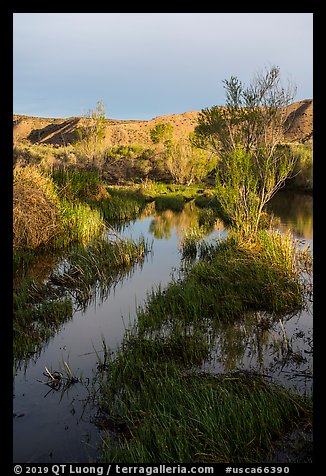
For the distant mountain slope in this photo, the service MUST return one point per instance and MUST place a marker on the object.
(63, 131)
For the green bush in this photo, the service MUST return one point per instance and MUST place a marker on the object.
(44, 216)
(79, 184)
(303, 170)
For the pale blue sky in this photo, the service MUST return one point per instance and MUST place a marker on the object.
(142, 65)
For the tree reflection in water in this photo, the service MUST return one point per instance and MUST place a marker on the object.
(273, 346)
(190, 219)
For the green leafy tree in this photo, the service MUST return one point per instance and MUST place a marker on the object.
(182, 159)
(245, 135)
(91, 134)
(162, 133)
(187, 163)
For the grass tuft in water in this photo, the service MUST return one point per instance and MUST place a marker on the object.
(173, 202)
(154, 402)
(156, 412)
(122, 206)
(230, 280)
(40, 307)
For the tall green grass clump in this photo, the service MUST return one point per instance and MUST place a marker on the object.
(174, 202)
(83, 185)
(123, 205)
(91, 271)
(79, 224)
(303, 170)
(82, 193)
(156, 411)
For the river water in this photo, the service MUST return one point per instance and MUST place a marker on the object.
(52, 426)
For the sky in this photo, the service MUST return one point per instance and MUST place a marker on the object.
(144, 65)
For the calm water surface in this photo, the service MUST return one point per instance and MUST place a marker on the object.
(56, 427)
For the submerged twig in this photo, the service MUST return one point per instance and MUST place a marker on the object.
(57, 381)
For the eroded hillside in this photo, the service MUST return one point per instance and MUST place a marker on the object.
(63, 131)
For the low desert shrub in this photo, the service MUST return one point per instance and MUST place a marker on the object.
(36, 214)
(44, 216)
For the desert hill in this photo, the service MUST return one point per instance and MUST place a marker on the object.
(63, 131)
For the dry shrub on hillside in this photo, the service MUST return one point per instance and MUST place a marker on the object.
(36, 208)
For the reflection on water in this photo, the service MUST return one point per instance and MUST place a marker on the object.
(295, 212)
(279, 348)
(58, 428)
(187, 221)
